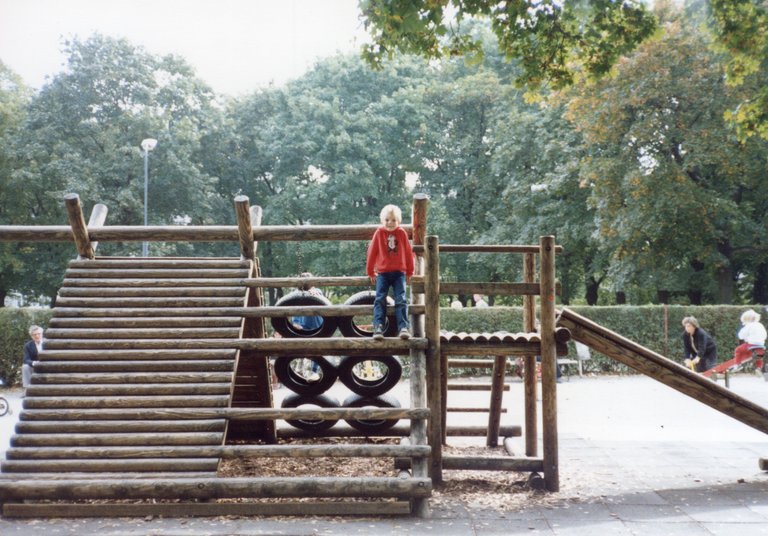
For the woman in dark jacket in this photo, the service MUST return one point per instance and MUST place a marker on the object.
(700, 349)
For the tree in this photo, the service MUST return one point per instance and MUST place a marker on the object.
(82, 134)
(740, 28)
(554, 42)
(14, 96)
(675, 195)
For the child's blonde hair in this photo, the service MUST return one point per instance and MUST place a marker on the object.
(391, 209)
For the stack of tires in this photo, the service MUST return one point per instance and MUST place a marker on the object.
(310, 376)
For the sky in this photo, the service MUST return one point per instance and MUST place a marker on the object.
(236, 46)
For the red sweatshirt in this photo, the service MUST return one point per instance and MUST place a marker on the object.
(389, 252)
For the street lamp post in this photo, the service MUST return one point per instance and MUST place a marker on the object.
(148, 145)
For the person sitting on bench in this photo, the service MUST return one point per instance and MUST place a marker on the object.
(752, 333)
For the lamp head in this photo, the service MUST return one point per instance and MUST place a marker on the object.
(148, 144)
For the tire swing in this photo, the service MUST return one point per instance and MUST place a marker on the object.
(294, 374)
(349, 328)
(321, 401)
(284, 325)
(371, 426)
(370, 376)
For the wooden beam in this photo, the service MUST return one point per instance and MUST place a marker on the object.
(549, 365)
(530, 381)
(79, 229)
(197, 509)
(244, 228)
(213, 488)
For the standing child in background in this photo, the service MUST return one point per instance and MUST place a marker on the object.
(390, 264)
(752, 333)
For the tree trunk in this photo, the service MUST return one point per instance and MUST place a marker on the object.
(593, 285)
(662, 296)
(724, 285)
(694, 295)
(3, 294)
(760, 288)
(621, 297)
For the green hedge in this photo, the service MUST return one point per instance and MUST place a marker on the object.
(645, 325)
(14, 332)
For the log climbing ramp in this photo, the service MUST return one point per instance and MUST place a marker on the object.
(157, 370)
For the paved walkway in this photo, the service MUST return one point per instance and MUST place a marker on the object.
(636, 457)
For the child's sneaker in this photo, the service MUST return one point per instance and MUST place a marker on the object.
(378, 334)
(405, 334)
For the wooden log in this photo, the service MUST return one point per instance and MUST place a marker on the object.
(219, 451)
(150, 292)
(130, 401)
(146, 389)
(664, 370)
(477, 363)
(133, 378)
(530, 381)
(492, 463)
(117, 426)
(66, 301)
(470, 386)
(17, 477)
(436, 398)
(193, 263)
(197, 509)
(146, 282)
(157, 273)
(97, 219)
(156, 322)
(472, 410)
(214, 488)
(419, 427)
(549, 365)
(763, 464)
(116, 439)
(189, 233)
(319, 346)
(502, 348)
(491, 248)
(141, 333)
(244, 227)
(133, 355)
(145, 465)
(239, 414)
(341, 430)
(173, 366)
(497, 393)
(79, 229)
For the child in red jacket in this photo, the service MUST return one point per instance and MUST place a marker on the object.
(390, 264)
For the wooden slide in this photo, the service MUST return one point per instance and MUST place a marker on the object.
(664, 370)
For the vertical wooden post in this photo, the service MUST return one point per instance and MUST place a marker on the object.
(256, 215)
(418, 436)
(497, 393)
(530, 383)
(244, 229)
(97, 219)
(434, 369)
(79, 230)
(549, 365)
(419, 222)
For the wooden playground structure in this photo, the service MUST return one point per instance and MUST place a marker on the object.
(155, 370)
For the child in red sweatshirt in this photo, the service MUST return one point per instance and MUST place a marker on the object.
(390, 264)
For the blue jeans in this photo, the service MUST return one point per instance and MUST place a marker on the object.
(396, 280)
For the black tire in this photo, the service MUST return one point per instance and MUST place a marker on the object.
(349, 328)
(286, 371)
(348, 374)
(286, 328)
(323, 401)
(370, 426)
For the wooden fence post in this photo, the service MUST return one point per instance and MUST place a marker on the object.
(549, 365)
(530, 382)
(79, 229)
